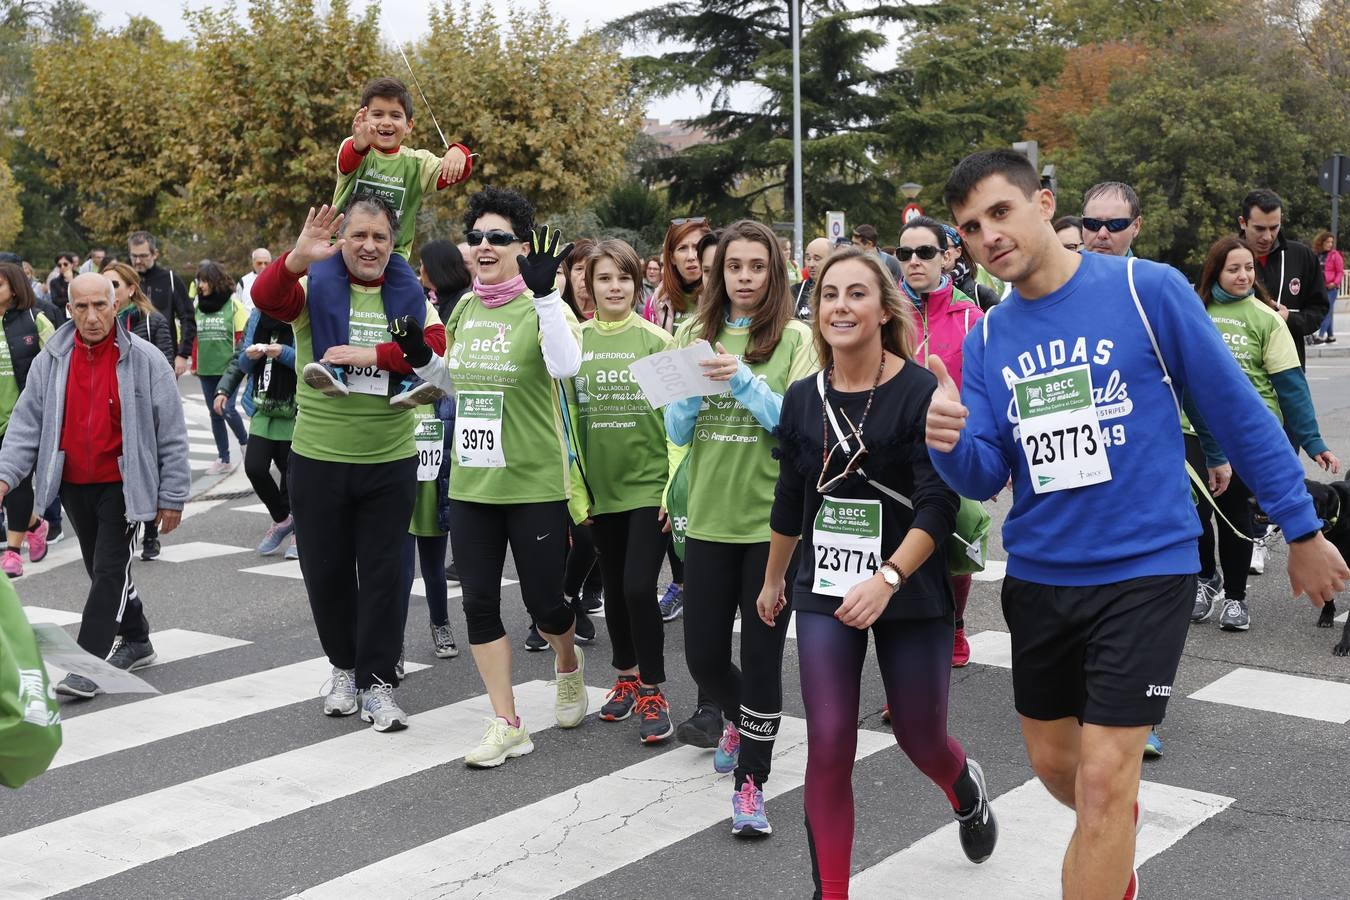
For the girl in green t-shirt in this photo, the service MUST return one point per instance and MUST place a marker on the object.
(1254, 330)
(219, 326)
(746, 313)
(630, 463)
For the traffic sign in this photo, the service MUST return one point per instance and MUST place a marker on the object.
(1334, 178)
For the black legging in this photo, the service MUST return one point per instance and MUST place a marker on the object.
(259, 454)
(631, 544)
(676, 564)
(537, 535)
(19, 502)
(580, 571)
(1235, 553)
(1195, 455)
(721, 578)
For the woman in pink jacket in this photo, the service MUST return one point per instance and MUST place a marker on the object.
(942, 318)
(1333, 270)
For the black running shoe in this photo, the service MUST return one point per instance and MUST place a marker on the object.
(979, 828)
(533, 641)
(592, 600)
(131, 655)
(150, 548)
(78, 686)
(702, 729)
(653, 714)
(451, 573)
(585, 633)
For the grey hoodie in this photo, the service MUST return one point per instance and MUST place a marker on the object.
(154, 461)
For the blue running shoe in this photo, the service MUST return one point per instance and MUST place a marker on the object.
(748, 818)
(1153, 746)
(728, 751)
(329, 380)
(276, 535)
(672, 602)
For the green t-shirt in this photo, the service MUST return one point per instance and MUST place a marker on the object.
(358, 428)
(401, 178)
(509, 440)
(424, 519)
(1259, 341)
(273, 428)
(9, 385)
(215, 337)
(732, 471)
(623, 438)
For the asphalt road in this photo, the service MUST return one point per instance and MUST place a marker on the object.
(255, 800)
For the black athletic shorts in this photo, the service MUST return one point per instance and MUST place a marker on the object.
(1105, 654)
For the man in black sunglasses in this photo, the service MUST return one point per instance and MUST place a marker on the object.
(1111, 218)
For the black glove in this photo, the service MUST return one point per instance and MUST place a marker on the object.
(408, 335)
(540, 268)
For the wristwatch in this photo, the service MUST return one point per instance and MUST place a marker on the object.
(891, 574)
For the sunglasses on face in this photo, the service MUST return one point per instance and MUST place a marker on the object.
(927, 251)
(692, 220)
(494, 237)
(1115, 226)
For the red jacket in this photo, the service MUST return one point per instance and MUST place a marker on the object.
(91, 433)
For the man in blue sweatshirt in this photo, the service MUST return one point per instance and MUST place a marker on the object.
(1064, 390)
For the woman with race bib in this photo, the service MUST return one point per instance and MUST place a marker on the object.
(509, 342)
(630, 460)
(944, 316)
(746, 314)
(856, 486)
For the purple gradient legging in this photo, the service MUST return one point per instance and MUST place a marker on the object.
(915, 659)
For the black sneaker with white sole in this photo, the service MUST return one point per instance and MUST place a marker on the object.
(978, 828)
(131, 655)
(150, 548)
(78, 686)
(534, 642)
(585, 633)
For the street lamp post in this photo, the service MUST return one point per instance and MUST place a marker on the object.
(796, 128)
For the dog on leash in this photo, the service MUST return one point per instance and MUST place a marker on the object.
(1331, 501)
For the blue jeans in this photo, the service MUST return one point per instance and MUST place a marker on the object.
(1328, 328)
(209, 385)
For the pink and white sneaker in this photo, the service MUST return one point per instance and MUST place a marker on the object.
(37, 542)
(12, 563)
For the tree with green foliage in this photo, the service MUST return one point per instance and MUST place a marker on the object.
(11, 213)
(747, 168)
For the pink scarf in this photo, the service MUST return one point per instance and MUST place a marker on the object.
(495, 295)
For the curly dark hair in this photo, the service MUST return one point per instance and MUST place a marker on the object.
(504, 202)
(212, 273)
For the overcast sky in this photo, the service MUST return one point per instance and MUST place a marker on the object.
(397, 23)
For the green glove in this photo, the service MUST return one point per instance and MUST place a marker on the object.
(407, 334)
(540, 268)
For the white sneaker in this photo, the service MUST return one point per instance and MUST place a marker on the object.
(339, 694)
(1258, 566)
(220, 467)
(500, 743)
(570, 707)
(380, 710)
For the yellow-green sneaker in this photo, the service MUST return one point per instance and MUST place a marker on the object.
(570, 707)
(500, 743)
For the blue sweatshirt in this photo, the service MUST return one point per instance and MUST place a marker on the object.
(1141, 522)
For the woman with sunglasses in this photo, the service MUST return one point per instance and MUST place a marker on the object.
(873, 517)
(943, 317)
(135, 311)
(1264, 349)
(676, 297)
(746, 314)
(964, 272)
(26, 332)
(508, 343)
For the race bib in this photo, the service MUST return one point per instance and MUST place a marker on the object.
(367, 379)
(1059, 431)
(429, 437)
(847, 544)
(264, 378)
(478, 429)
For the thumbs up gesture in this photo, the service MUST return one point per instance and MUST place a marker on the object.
(946, 414)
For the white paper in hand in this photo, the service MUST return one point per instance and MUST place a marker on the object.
(676, 374)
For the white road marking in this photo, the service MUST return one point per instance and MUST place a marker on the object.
(1292, 695)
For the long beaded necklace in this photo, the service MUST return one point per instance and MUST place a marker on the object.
(862, 422)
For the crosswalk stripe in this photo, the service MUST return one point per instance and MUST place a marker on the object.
(1292, 695)
(994, 570)
(588, 831)
(991, 648)
(1343, 617)
(55, 616)
(118, 728)
(254, 508)
(195, 550)
(735, 625)
(1034, 830)
(419, 588)
(90, 846)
